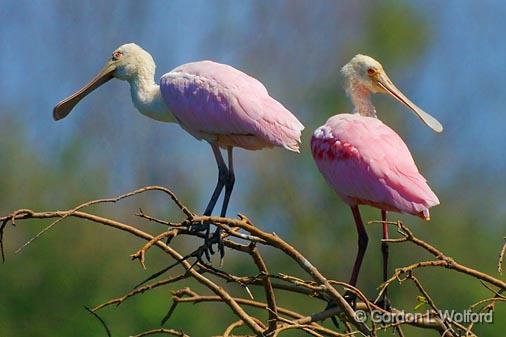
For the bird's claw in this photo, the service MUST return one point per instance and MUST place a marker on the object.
(207, 249)
(199, 227)
(218, 240)
(220, 243)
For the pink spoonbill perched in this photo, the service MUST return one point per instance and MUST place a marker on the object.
(365, 161)
(211, 101)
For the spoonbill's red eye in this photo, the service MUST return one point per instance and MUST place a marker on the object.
(371, 71)
(116, 55)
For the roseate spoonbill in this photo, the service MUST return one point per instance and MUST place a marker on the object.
(365, 161)
(211, 101)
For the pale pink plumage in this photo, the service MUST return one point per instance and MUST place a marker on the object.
(366, 162)
(223, 105)
(227, 108)
(212, 101)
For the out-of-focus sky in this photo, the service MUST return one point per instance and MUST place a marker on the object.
(454, 71)
(50, 48)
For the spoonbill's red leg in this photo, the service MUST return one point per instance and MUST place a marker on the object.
(384, 245)
(384, 302)
(362, 245)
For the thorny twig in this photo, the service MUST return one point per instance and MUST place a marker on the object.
(442, 259)
(501, 257)
(269, 290)
(430, 301)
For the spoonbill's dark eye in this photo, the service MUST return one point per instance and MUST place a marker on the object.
(371, 71)
(116, 55)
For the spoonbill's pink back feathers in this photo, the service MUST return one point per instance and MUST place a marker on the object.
(211, 101)
(366, 162)
(221, 104)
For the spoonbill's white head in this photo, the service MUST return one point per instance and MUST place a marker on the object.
(363, 73)
(361, 70)
(128, 62)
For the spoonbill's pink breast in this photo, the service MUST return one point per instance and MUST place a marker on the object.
(366, 162)
(219, 103)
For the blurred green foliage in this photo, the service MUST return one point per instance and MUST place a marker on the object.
(44, 288)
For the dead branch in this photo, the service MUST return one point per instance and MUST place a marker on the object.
(269, 290)
(443, 260)
(171, 332)
(316, 288)
(501, 257)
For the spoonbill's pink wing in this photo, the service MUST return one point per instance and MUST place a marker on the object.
(219, 103)
(366, 162)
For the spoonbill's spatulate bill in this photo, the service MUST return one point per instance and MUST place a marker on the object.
(211, 101)
(365, 161)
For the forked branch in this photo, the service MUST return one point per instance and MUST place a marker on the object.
(241, 236)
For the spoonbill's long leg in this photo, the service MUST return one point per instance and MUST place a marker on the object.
(222, 179)
(362, 245)
(385, 303)
(229, 184)
(384, 245)
(226, 180)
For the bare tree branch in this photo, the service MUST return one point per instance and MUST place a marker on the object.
(501, 257)
(316, 287)
(171, 332)
(443, 260)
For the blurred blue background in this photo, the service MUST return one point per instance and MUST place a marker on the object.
(448, 57)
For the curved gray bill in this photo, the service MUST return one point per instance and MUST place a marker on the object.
(64, 107)
(387, 85)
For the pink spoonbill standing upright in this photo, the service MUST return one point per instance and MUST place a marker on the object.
(365, 161)
(211, 101)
